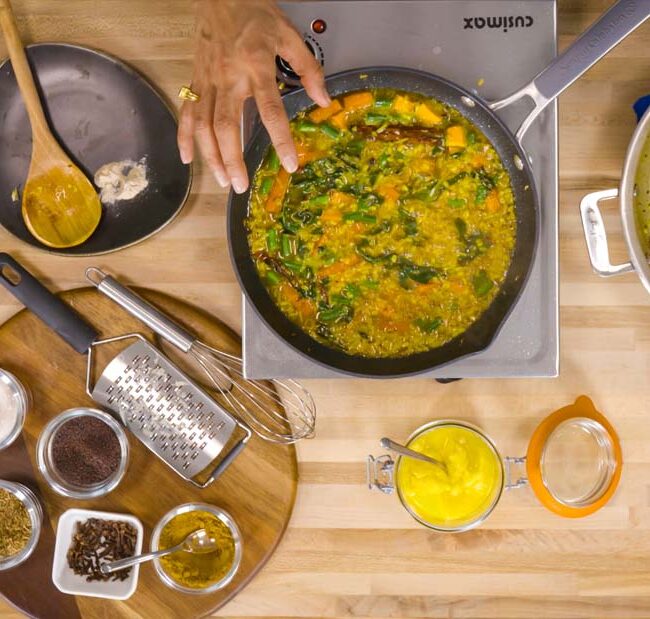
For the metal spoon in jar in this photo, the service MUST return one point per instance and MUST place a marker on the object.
(387, 443)
(197, 542)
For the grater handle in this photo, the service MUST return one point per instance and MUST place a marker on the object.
(141, 309)
(225, 463)
(46, 305)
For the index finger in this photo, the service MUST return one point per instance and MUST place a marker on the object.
(294, 50)
(274, 117)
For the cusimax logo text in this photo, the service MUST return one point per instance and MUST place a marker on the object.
(504, 23)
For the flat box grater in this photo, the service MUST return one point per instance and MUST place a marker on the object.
(165, 409)
(162, 406)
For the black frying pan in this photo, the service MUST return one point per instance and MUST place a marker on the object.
(101, 111)
(609, 30)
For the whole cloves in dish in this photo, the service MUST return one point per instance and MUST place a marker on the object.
(98, 541)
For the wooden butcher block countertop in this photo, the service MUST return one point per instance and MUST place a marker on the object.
(349, 552)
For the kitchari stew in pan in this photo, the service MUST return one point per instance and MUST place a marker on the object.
(396, 231)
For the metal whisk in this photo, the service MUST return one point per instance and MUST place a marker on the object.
(277, 411)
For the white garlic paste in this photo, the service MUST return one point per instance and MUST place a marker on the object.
(121, 180)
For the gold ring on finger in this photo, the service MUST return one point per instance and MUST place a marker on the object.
(187, 94)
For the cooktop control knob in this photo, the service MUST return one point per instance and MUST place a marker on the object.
(285, 71)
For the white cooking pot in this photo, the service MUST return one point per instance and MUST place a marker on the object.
(592, 220)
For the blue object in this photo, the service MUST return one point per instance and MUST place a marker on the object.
(640, 106)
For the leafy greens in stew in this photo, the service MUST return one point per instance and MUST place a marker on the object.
(396, 231)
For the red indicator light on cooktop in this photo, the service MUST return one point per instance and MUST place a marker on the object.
(319, 26)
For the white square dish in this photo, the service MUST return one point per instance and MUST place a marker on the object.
(67, 581)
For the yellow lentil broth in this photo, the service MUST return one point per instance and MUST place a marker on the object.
(396, 231)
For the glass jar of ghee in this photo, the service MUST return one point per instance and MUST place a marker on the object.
(573, 465)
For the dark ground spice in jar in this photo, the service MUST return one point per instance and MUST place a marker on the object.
(85, 451)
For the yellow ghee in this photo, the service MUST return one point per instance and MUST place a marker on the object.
(464, 494)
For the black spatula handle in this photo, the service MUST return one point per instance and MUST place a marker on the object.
(48, 307)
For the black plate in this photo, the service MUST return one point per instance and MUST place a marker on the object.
(478, 335)
(100, 110)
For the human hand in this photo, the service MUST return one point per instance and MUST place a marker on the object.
(237, 41)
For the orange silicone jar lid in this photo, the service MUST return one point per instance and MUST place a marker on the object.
(582, 411)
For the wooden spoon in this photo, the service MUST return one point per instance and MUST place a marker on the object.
(60, 205)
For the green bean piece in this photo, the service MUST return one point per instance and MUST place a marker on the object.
(272, 240)
(481, 194)
(461, 227)
(286, 246)
(274, 161)
(266, 185)
(337, 313)
(383, 102)
(319, 201)
(360, 217)
(471, 138)
(294, 265)
(351, 291)
(376, 119)
(426, 325)
(367, 201)
(482, 283)
(273, 278)
(355, 147)
(454, 179)
(383, 160)
(329, 131)
(307, 126)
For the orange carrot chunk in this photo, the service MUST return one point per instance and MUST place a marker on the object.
(276, 195)
(332, 215)
(388, 192)
(323, 113)
(456, 138)
(340, 121)
(492, 202)
(358, 101)
(305, 154)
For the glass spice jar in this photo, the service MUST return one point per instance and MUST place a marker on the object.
(34, 512)
(61, 482)
(573, 465)
(15, 401)
(226, 519)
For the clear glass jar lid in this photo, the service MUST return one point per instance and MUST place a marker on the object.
(574, 460)
(578, 461)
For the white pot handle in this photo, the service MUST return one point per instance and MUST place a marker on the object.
(596, 236)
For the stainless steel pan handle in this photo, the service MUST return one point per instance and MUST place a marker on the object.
(603, 35)
(596, 236)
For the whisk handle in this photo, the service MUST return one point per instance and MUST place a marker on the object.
(151, 316)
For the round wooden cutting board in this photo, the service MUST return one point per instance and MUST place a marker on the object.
(258, 489)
